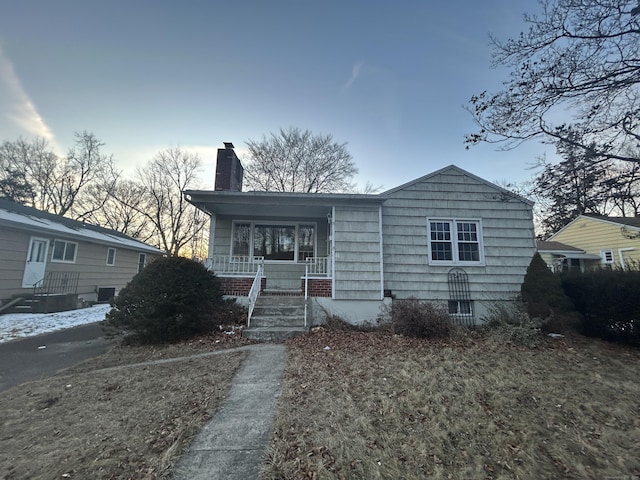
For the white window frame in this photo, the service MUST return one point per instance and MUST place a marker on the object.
(606, 256)
(270, 222)
(113, 260)
(64, 252)
(142, 261)
(459, 313)
(453, 225)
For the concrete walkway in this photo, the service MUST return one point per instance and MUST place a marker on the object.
(233, 444)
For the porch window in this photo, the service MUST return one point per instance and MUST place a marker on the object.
(241, 239)
(276, 242)
(64, 251)
(455, 241)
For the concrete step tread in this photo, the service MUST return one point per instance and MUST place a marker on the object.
(276, 329)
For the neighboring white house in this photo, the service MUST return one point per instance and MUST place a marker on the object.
(49, 254)
(449, 237)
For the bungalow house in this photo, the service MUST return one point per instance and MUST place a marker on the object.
(592, 241)
(448, 237)
(52, 256)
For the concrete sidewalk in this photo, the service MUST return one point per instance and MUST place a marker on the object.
(233, 444)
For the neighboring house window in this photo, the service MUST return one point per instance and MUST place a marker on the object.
(279, 242)
(64, 251)
(606, 256)
(111, 257)
(571, 264)
(142, 261)
(455, 241)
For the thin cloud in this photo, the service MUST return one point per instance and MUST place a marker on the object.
(19, 108)
(355, 73)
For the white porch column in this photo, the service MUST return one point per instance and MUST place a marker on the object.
(212, 235)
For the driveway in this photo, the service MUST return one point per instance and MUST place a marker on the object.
(44, 355)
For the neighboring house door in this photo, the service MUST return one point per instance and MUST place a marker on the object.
(36, 262)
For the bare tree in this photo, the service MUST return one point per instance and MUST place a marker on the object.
(576, 69)
(299, 161)
(122, 209)
(163, 179)
(45, 181)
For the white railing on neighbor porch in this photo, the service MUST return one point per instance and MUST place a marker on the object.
(234, 264)
(254, 292)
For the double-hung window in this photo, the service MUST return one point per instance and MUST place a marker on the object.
(64, 251)
(453, 241)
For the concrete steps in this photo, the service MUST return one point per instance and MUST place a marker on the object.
(276, 318)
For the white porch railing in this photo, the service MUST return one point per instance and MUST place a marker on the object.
(234, 265)
(318, 267)
(254, 292)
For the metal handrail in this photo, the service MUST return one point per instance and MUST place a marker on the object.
(255, 292)
(306, 289)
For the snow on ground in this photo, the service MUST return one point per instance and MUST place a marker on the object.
(16, 325)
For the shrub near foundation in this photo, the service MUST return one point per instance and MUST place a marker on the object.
(171, 299)
(413, 318)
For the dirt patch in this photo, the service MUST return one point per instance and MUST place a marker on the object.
(376, 405)
(98, 422)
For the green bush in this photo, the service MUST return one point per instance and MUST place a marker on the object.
(413, 318)
(171, 299)
(609, 303)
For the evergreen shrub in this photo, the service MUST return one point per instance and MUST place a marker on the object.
(171, 299)
(609, 301)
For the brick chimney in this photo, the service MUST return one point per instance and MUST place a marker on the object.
(228, 169)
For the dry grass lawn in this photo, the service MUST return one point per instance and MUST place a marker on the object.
(113, 417)
(371, 406)
(378, 406)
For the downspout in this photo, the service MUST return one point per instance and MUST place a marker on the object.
(620, 252)
(212, 235)
(381, 253)
(333, 253)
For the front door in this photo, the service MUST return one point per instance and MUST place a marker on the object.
(36, 262)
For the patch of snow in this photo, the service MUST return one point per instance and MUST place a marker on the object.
(18, 325)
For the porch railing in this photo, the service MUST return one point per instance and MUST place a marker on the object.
(254, 292)
(234, 265)
(318, 267)
(57, 283)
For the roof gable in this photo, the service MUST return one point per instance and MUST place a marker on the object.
(627, 222)
(454, 168)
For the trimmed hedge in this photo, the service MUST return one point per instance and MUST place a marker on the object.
(609, 301)
(171, 299)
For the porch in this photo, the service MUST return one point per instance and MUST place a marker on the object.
(238, 274)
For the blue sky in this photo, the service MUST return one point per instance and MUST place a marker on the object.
(388, 78)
